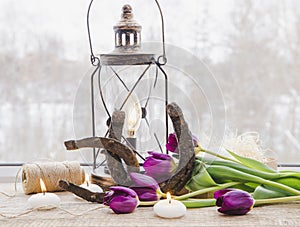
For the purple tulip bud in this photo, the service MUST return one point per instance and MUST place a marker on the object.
(195, 141)
(233, 201)
(221, 192)
(121, 200)
(172, 144)
(159, 166)
(145, 187)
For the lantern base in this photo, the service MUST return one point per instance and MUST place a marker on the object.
(126, 59)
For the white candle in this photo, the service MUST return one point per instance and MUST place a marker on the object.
(91, 187)
(44, 201)
(169, 208)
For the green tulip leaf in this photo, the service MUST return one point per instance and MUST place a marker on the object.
(243, 187)
(194, 186)
(266, 192)
(226, 173)
(290, 181)
(252, 185)
(200, 179)
(252, 163)
(246, 169)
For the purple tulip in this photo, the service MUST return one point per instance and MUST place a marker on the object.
(121, 200)
(172, 144)
(159, 166)
(233, 201)
(145, 187)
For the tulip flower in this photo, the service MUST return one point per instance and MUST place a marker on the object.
(121, 200)
(233, 201)
(173, 144)
(159, 166)
(145, 187)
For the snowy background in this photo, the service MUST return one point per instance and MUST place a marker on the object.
(251, 47)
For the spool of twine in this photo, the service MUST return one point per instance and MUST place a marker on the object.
(50, 173)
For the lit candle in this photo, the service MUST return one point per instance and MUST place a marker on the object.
(91, 187)
(44, 200)
(169, 208)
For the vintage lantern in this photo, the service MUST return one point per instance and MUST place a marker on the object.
(130, 80)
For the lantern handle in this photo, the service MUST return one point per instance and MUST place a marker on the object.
(162, 59)
(94, 60)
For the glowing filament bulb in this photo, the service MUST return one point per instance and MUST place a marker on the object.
(133, 115)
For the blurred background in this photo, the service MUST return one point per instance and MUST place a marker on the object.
(251, 47)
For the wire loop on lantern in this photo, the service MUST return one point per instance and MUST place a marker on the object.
(162, 60)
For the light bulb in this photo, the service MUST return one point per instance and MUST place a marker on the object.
(133, 115)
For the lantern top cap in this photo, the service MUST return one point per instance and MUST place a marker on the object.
(127, 43)
(127, 21)
(127, 11)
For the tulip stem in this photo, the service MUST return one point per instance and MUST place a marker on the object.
(147, 203)
(197, 203)
(280, 186)
(205, 190)
(215, 154)
(160, 193)
(287, 199)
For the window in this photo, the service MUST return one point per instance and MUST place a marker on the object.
(251, 47)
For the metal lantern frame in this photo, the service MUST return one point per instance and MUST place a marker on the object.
(127, 52)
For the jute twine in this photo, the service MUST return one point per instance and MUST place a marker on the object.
(50, 173)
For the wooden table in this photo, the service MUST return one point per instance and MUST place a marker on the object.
(75, 212)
